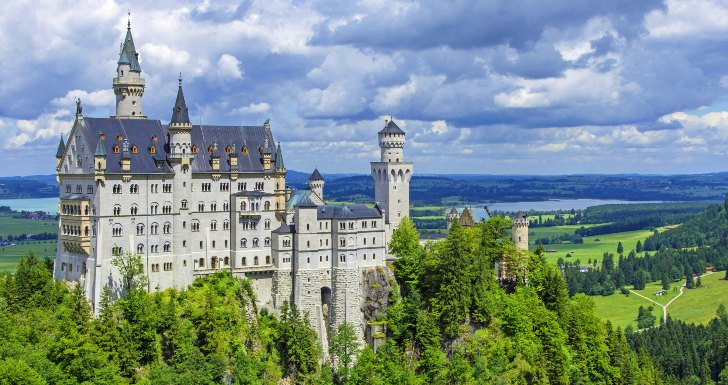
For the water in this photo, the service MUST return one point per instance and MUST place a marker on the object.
(553, 205)
(49, 205)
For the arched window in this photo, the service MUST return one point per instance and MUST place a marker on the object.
(267, 259)
(213, 225)
(117, 230)
(243, 242)
(267, 241)
(255, 261)
(226, 225)
(243, 206)
(167, 247)
(152, 149)
(153, 209)
(266, 206)
(140, 229)
(117, 210)
(195, 225)
(134, 209)
(115, 149)
(140, 248)
(134, 149)
(255, 242)
(267, 224)
(228, 150)
(184, 203)
(210, 149)
(194, 149)
(153, 228)
(167, 228)
(201, 262)
(244, 261)
(245, 149)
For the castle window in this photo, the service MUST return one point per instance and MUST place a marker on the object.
(201, 262)
(243, 243)
(167, 247)
(255, 242)
(267, 224)
(116, 251)
(201, 245)
(195, 225)
(153, 228)
(342, 242)
(210, 149)
(244, 261)
(226, 261)
(200, 207)
(140, 229)
(102, 136)
(152, 149)
(89, 190)
(134, 210)
(228, 150)
(167, 208)
(267, 241)
(119, 137)
(243, 206)
(226, 225)
(167, 228)
(194, 149)
(117, 210)
(266, 206)
(134, 149)
(153, 208)
(167, 266)
(245, 149)
(115, 149)
(226, 206)
(255, 260)
(184, 203)
(374, 224)
(287, 242)
(213, 225)
(140, 248)
(213, 206)
(68, 189)
(365, 257)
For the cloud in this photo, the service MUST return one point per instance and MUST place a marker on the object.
(253, 108)
(228, 67)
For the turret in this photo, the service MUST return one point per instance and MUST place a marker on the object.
(391, 142)
(280, 167)
(316, 183)
(180, 129)
(451, 216)
(520, 231)
(125, 157)
(267, 154)
(128, 83)
(59, 153)
(100, 157)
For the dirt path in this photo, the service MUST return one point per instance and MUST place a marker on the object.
(664, 307)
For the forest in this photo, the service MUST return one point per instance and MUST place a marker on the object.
(449, 321)
(684, 251)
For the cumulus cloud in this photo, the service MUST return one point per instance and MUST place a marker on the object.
(542, 87)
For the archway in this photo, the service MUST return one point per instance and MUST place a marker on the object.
(326, 306)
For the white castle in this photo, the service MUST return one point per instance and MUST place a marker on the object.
(193, 200)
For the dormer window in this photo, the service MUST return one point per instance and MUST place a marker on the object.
(210, 150)
(102, 136)
(116, 149)
(119, 137)
(194, 149)
(134, 149)
(228, 150)
(154, 138)
(152, 149)
(245, 149)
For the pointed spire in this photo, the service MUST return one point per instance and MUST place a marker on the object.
(61, 148)
(100, 150)
(180, 114)
(315, 175)
(279, 158)
(128, 53)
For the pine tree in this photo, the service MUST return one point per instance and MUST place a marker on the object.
(344, 347)
(638, 248)
(689, 281)
(620, 248)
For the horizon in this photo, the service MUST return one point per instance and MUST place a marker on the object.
(612, 89)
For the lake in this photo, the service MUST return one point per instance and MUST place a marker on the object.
(50, 205)
(553, 205)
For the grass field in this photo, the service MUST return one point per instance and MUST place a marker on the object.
(17, 226)
(9, 255)
(699, 305)
(593, 247)
(694, 306)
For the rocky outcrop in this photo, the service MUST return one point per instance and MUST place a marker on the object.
(376, 284)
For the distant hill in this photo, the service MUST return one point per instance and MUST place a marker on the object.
(445, 190)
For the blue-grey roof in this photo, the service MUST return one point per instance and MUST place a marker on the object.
(300, 195)
(139, 132)
(252, 194)
(279, 158)
(100, 151)
(479, 213)
(61, 148)
(128, 50)
(237, 137)
(285, 229)
(315, 175)
(353, 211)
(391, 128)
(179, 111)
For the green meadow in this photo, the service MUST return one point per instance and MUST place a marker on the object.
(17, 226)
(9, 255)
(698, 305)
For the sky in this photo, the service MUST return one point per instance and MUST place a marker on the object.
(480, 87)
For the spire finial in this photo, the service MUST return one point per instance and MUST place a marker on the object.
(128, 20)
(180, 79)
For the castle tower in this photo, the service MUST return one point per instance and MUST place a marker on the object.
(392, 176)
(316, 183)
(180, 158)
(520, 231)
(451, 216)
(128, 83)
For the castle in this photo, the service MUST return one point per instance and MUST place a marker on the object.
(193, 200)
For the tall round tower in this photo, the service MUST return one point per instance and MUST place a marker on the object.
(392, 176)
(520, 231)
(128, 83)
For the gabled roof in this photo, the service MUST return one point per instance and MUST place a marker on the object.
(298, 196)
(391, 128)
(285, 229)
(315, 176)
(237, 137)
(180, 114)
(353, 211)
(306, 201)
(61, 148)
(453, 211)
